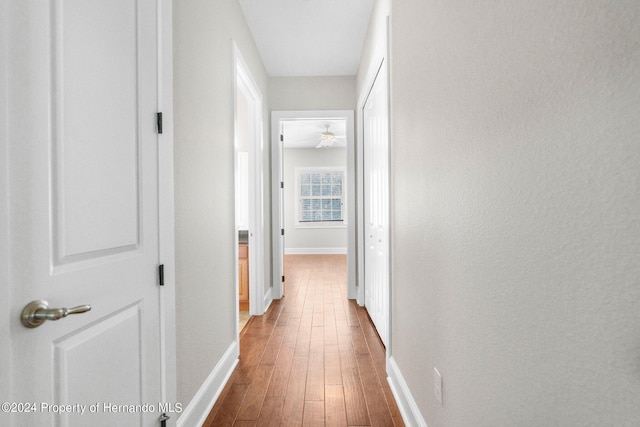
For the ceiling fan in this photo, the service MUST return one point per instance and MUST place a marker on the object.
(327, 139)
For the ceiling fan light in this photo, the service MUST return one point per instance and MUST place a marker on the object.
(328, 136)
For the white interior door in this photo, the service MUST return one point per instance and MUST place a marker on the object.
(83, 210)
(376, 203)
(281, 211)
(249, 132)
(277, 200)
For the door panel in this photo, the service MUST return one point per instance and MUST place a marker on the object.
(101, 343)
(83, 204)
(95, 124)
(376, 203)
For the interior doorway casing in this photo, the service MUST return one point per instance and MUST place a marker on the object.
(5, 356)
(277, 117)
(244, 83)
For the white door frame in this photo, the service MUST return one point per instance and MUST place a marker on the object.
(5, 355)
(166, 250)
(166, 206)
(244, 82)
(380, 58)
(276, 202)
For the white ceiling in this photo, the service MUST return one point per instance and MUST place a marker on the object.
(306, 133)
(309, 37)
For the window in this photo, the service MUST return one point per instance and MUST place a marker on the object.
(320, 196)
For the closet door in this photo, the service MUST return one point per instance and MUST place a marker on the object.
(376, 202)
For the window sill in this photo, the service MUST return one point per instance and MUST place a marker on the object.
(321, 225)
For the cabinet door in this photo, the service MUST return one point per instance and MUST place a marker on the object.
(243, 276)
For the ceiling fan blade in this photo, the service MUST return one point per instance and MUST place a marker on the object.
(325, 143)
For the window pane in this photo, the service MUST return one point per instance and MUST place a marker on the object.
(320, 195)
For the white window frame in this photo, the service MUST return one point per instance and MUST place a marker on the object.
(320, 224)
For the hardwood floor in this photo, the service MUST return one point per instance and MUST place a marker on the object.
(312, 359)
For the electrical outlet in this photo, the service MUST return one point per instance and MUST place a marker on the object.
(437, 385)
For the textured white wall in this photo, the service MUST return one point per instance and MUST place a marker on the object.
(205, 264)
(312, 93)
(305, 238)
(516, 168)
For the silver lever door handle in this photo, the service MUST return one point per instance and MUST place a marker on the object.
(36, 312)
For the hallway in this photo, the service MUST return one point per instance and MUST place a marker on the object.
(312, 359)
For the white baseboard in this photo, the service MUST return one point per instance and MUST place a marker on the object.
(314, 251)
(406, 403)
(198, 409)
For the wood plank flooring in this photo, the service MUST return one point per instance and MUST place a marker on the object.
(313, 359)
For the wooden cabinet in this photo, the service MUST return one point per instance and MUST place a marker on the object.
(243, 275)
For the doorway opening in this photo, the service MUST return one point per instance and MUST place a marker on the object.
(313, 196)
(249, 200)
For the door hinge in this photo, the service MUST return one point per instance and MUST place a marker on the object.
(161, 275)
(282, 279)
(159, 122)
(282, 231)
(281, 184)
(281, 138)
(163, 419)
